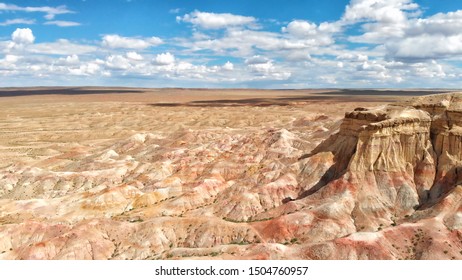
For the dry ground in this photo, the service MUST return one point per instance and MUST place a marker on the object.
(36, 123)
(129, 173)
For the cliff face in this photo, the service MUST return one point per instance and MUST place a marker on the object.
(396, 158)
(446, 135)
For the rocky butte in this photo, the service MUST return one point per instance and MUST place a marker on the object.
(383, 183)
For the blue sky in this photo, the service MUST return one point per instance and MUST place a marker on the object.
(239, 43)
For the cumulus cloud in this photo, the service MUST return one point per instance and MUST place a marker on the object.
(72, 59)
(352, 57)
(9, 58)
(114, 41)
(263, 69)
(296, 41)
(385, 11)
(86, 69)
(380, 19)
(7, 66)
(117, 62)
(371, 66)
(23, 36)
(239, 42)
(396, 26)
(134, 56)
(435, 37)
(446, 24)
(164, 59)
(216, 21)
(305, 34)
(228, 66)
(429, 70)
(425, 46)
(301, 28)
(305, 29)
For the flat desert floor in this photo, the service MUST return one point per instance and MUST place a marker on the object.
(131, 173)
(36, 123)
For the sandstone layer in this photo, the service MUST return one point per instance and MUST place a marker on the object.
(235, 182)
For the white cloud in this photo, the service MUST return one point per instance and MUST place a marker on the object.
(385, 11)
(118, 42)
(295, 42)
(62, 23)
(87, 69)
(72, 59)
(429, 70)
(371, 66)
(264, 69)
(17, 21)
(446, 24)
(380, 19)
(256, 59)
(216, 21)
(164, 59)
(352, 57)
(62, 47)
(304, 34)
(118, 62)
(329, 79)
(134, 56)
(379, 33)
(301, 28)
(402, 48)
(11, 58)
(425, 46)
(228, 66)
(395, 26)
(236, 42)
(8, 65)
(438, 36)
(23, 36)
(50, 12)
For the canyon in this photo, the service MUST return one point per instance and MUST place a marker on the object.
(127, 174)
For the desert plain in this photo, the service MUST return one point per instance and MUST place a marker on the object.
(133, 173)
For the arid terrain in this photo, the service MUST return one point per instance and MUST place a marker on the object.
(122, 173)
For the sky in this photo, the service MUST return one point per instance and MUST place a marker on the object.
(232, 43)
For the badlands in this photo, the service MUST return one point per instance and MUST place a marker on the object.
(127, 173)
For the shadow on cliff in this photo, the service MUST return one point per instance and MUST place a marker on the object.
(343, 148)
(330, 175)
(442, 187)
